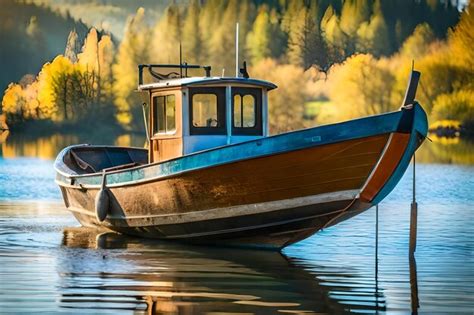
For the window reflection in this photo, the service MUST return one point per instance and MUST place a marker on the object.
(244, 111)
(164, 109)
(205, 110)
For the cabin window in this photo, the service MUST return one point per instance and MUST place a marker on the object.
(207, 109)
(164, 109)
(247, 111)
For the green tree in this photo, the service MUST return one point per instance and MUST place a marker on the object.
(258, 40)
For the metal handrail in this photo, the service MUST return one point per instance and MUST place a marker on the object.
(158, 76)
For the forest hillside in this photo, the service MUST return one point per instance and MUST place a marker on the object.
(332, 60)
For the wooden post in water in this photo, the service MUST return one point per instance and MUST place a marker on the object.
(414, 214)
(376, 237)
(415, 303)
(377, 258)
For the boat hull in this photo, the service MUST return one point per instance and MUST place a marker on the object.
(266, 199)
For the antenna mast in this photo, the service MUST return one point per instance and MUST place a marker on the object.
(180, 60)
(237, 49)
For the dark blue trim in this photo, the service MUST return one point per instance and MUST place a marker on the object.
(419, 130)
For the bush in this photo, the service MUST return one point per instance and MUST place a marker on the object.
(458, 105)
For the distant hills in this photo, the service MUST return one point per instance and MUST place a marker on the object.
(110, 15)
(31, 35)
(33, 32)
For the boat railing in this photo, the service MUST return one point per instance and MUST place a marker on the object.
(171, 75)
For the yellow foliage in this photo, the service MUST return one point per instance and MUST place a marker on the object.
(286, 104)
(417, 45)
(132, 51)
(11, 102)
(458, 105)
(461, 40)
(46, 85)
(89, 56)
(445, 123)
(360, 86)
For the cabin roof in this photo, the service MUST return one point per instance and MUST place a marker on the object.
(182, 82)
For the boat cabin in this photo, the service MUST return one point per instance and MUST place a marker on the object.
(191, 114)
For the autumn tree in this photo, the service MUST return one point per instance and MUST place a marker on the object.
(286, 104)
(73, 46)
(373, 35)
(417, 45)
(132, 51)
(167, 37)
(461, 39)
(361, 86)
(191, 34)
(265, 39)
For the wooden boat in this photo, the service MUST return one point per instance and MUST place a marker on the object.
(213, 174)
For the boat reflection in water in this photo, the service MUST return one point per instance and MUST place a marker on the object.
(154, 277)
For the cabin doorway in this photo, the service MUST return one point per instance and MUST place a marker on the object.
(166, 130)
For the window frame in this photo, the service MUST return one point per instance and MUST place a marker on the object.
(155, 130)
(221, 111)
(256, 93)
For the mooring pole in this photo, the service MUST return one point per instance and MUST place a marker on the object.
(376, 240)
(377, 257)
(414, 213)
(415, 302)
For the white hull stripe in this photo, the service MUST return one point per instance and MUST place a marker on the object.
(233, 211)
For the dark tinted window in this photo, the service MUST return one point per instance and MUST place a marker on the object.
(247, 111)
(207, 111)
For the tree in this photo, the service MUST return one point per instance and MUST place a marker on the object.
(222, 42)
(133, 50)
(167, 36)
(106, 54)
(73, 46)
(361, 86)
(373, 36)
(286, 104)
(458, 105)
(354, 13)
(461, 40)
(258, 40)
(192, 40)
(416, 46)
(331, 31)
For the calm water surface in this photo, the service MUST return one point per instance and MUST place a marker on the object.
(49, 264)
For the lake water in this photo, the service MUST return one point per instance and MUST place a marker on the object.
(49, 264)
